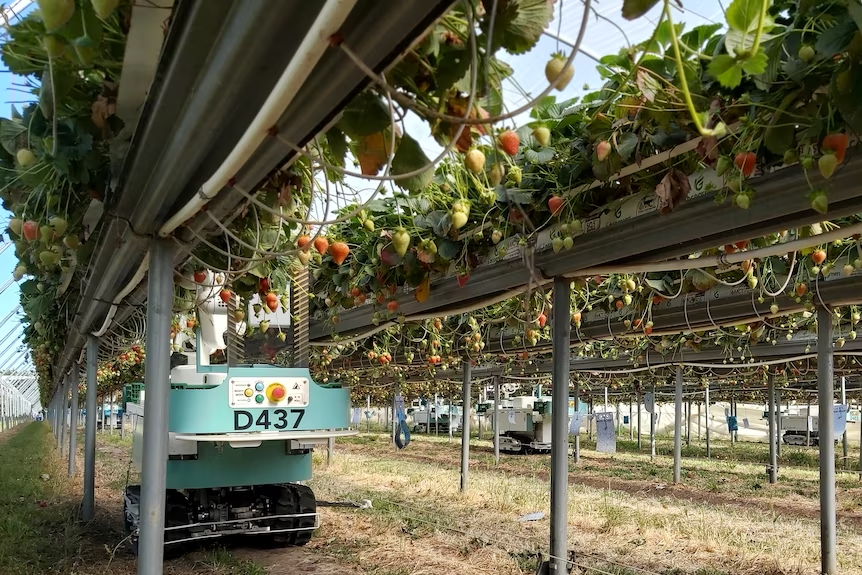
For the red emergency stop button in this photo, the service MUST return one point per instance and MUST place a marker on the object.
(276, 392)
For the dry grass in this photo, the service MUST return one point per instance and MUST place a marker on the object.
(635, 530)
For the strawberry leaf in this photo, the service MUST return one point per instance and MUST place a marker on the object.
(365, 115)
(756, 64)
(519, 23)
(726, 70)
(742, 15)
(408, 158)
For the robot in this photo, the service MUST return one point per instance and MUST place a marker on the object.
(240, 441)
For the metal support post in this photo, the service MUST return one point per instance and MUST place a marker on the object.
(73, 418)
(631, 421)
(577, 448)
(497, 420)
(652, 425)
(112, 418)
(778, 422)
(808, 423)
(688, 423)
(61, 424)
(845, 447)
(160, 297)
(698, 421)
(89, 507)
(562, 328)
(773, 454)
(677, 427)
(706, 413)
(826, 433)
(639, 418)
(330, 449)
(465, 424)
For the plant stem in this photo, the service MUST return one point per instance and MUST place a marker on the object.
(759, 32)
(718, 130)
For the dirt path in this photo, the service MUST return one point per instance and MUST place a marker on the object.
(795, 509)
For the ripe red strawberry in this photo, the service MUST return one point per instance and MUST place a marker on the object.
(321, 244)
(837, 144)
(462, 279)
(542, 319)
(339, 252)
(200, 276)
(746, 162)
(392, 306)
(509, 142)
(225, 295)
(555, 204)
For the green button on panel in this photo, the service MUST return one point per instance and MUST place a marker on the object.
(258, 398)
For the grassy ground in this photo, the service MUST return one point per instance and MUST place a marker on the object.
(625, 518)
(39, 509)
(726, 518)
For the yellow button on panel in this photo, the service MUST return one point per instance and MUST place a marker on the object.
(248, 392)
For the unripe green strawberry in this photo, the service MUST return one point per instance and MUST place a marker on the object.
(475, 161)
(556, 68)
(55, 13)
(542, 135)
(827, 164)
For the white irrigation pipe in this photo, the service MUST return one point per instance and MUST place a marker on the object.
(136, 279)
(724, 259)
(310, 51)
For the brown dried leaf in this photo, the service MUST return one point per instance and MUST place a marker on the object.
(672, 190)
(101, 110)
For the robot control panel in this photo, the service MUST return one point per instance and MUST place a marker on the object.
(246, 392)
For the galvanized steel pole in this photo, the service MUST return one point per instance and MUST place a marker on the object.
(577, 448)
(61, 436)
(73, 418)
(160, 297)
(778, 421)
(652, 425)
(677, 427)
(773, 454)
(639, 418)
(706, 413)
(826, 433)
(465, 424)
(562, 329)
(497, 420)
(845, 447)
(89, 509)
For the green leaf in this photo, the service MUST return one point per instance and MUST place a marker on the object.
(626, 144)
(736, 42)
(10, 135)
(365, 115)
(756, 64)
(742, 15)
(408, 158)
(337, 145)
(448, 250)
(726, 70)
(834, 40)
(519, 24)
(542, 156)
(29, 288)
(633, 9)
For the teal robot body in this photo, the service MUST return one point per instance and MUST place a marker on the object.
(240, 441)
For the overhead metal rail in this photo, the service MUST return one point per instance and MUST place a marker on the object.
(781, 202)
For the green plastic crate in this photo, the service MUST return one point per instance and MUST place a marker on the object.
(132, 392)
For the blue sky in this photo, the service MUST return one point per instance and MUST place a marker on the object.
(9, 298)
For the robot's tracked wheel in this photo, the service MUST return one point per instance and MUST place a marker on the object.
(294, 499)
(307, 504)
